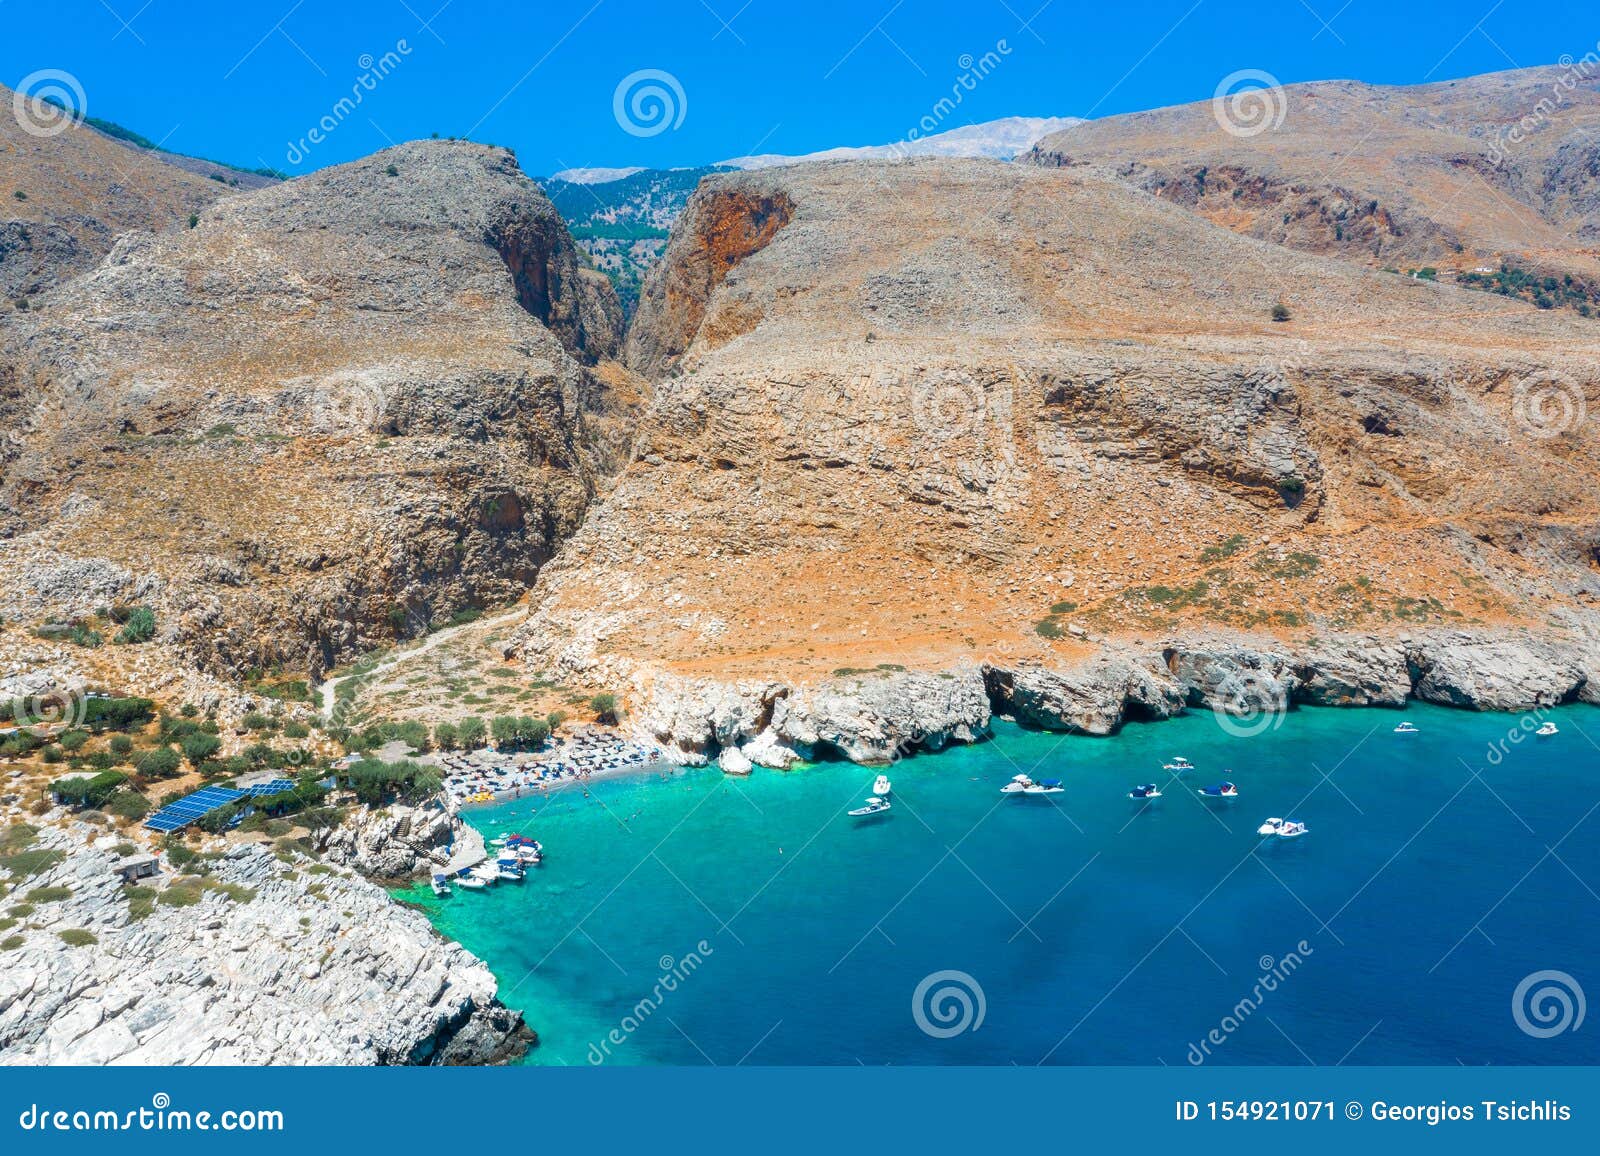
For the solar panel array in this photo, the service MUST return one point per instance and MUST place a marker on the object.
(191, 807)
(275, 787)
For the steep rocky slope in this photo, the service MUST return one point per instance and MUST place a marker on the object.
(261, 965)
(65, 198)
(1457, 175)
(334, 411)
(941, 414)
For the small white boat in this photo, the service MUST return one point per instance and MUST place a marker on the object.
(1547, 730)
(1017, 785)
(471, 882)
(873, 806)
(1178, 765)
(881, 786)
(1044, 787)
(508, 867)
(1220, 791)
(440, 887)
(1282, 828)
(1405, 728)
(1145, 791)
(524, 854)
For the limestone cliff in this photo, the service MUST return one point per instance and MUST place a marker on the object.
(947, 415)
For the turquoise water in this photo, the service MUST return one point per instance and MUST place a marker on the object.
(1098, 931)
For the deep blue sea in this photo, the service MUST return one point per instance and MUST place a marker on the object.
(689, 918)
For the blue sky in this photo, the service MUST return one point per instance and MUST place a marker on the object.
(248, 80)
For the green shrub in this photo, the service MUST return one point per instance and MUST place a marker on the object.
(1280, 312)
(121, 747)
(31, 862)
(77, 937)
(185, 891)
(49, 894)
(141, 900)
(118, 713)
(471, 731)
(375, 782)
(160, 763)
(140, 627)
(604, 707)
(128, 805)
(18, 837)
(87, 792)
(11, 943)
(199, 747)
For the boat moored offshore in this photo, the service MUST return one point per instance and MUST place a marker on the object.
(876, 805)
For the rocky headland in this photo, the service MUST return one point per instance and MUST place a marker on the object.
(257, 961)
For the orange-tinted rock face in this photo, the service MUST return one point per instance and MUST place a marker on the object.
(722, 227)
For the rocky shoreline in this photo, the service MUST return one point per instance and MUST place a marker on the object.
(272, 962)
(877, 716)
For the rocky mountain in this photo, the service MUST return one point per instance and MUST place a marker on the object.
(998, 140)
(64, 198)
(621, 217)
(331, 412)
(1458, 176)
(956, 415)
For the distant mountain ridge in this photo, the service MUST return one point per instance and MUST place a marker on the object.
(999, 140)
(621, 216)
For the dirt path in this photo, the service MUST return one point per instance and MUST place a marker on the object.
(328, 691)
